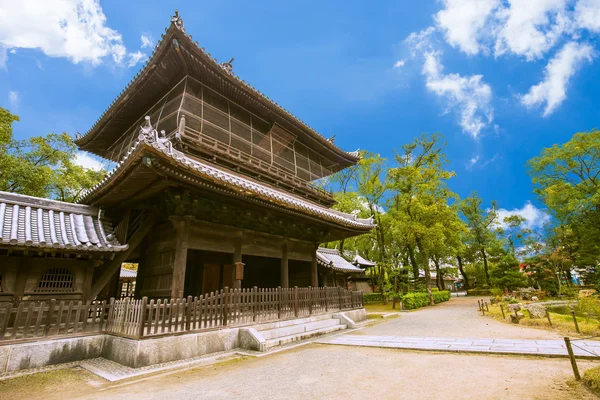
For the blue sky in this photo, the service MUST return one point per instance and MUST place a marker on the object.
(501, 79)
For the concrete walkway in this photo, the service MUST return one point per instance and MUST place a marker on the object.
(546, 348)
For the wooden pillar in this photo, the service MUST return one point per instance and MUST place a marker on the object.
(23, 273)
(237, 262)
(314, 276)
(285, 273)
(182, 225)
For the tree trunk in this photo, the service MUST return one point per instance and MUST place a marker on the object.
(462, 272)
(413, 262)
(342, 248)
(439, 280)
(427, 272)
(485, 267)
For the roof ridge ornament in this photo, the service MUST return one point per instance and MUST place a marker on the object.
(177, 21)
(228, 66)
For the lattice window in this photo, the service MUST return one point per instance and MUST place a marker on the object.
(56, 280)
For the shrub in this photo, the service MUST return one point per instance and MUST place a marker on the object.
(413, 300)
(434, 289)
(591, 378)
(478, 292)
(372, 297)
(441, 296)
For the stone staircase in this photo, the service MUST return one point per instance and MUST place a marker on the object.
(283, 332)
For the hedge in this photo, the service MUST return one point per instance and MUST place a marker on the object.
(413, 300)
(479, 292)
(372, 298)
(591, 378)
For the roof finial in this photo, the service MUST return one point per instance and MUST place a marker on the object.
(228, 66)
(331, 139)
(177, 21)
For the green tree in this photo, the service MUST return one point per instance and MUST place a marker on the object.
(480, 223)
(419, 205)
(42, 166)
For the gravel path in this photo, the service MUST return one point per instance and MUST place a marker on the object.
(456, 318)
(339, 372)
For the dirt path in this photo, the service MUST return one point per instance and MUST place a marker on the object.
(456, 318)
(335, 372)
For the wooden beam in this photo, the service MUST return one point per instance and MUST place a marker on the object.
(115, 264)
(314, 274)
(182, 228)
(285, 273)
(237, 260)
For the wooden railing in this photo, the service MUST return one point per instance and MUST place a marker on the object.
(142, 318)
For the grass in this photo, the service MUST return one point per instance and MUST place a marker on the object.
(560, 322)
(591, 379)
(34, 385)
(381, 308)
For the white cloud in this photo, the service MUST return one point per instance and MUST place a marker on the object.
(74, 29)
(13, 98)
(553, 89)
(587, 15)
(468, 94)
(530, 28)
(39, 64)
(147, 41)
(534, 217)
(399, 64)
(86, 160)
(472, 161)
(3, 56)
(463, 22)
(135, 58)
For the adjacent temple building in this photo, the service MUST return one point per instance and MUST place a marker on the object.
(211, 189)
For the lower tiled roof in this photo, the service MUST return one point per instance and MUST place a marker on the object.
(331, 258)
(149, 137)
(27, 221)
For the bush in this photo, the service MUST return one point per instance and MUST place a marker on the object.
(478, 292)
(413, 300)
(591, 379)
(441, 296)
(434, 289)
(372, 298)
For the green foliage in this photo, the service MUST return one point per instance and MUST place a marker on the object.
(591, 379)
(372, 298)
(441, 296)
(41, 166)
(507, 275)
(413, 300)
(478, 292)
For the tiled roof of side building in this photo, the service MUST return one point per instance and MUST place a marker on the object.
(149, 137)
(27, 221)
(331, 258)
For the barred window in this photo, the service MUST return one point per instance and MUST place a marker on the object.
(56, 280)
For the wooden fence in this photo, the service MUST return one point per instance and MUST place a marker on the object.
(142, 318)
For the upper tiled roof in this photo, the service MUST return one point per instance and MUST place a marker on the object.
(27, 221)
(331, 258)
(357, 259)
(149, 138)
(223, 70)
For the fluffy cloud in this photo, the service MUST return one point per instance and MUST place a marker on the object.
(469, 95)
(463, 21)
(86, 160)
(530, 28)
(74, 29)
(552, 91)
(534, 217)
(587, 15)
(135, 58)
(399, 64)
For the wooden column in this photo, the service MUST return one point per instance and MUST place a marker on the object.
(285, 273)
(182, 225)
(237, 260)
(314, 276)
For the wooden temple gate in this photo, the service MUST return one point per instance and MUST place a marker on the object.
(142, 318)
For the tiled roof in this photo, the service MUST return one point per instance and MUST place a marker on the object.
(363, 261)
(331, 258)
(27, 221)
(227, 72)
(149, 138)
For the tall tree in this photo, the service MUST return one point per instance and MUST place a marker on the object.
(480, 223)
(419, 204)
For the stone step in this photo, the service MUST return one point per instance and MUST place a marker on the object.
(295, 329)
(304, 335)
(290, 322)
